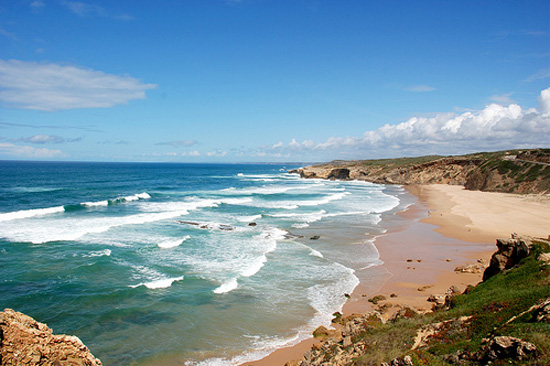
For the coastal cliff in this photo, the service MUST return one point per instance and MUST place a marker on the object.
(503, 320)
(24, 341)
(511, 171)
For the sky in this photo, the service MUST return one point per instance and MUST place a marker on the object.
(271, 80)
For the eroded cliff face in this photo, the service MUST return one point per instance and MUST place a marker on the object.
(526, 172)
(24, 341)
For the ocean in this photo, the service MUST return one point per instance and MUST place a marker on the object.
(196, 264)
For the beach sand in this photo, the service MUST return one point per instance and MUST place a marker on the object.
(447, 227)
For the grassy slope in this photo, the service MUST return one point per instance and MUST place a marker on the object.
(490, 304)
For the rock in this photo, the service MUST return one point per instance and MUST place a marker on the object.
(314, 237)
(383, 308)
(342, 174)
(321, 331)
(405, 361)
(406, 312)
(392, 295)
(510, 252)
(424, 288)
(544, 257)
(226, 228)
(347, 342)
(507, 347)
(377, 298)
(542, 312)
(24, 341)
(293, 363)
(252, 224)
(470, 268)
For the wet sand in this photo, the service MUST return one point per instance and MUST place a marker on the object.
(447, 227)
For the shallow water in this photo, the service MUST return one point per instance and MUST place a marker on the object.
(145, 262)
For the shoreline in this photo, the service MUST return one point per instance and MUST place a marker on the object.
(444, 228)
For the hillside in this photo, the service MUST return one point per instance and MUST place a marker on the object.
(511, 171)
(504, 320)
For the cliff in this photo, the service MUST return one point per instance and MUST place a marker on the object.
(503, 320)
(24, 341)
(512, 171)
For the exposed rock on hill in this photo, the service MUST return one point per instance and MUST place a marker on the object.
(24, 341)
(505, 171)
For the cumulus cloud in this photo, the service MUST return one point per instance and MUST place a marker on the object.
(53, 87)
(178, 143)
(492, 128)
(18, 151)
(47, 139)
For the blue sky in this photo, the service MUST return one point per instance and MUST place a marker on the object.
(271, 80)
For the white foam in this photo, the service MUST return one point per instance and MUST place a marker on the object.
(171, 243)
(300, 225)
(162, 283)
(303, 217)
(99, 253)
(316, 253)
(227, 286)
(23, 214)
(95, 204)
(249, 218)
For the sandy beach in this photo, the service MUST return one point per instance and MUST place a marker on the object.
(447, 227)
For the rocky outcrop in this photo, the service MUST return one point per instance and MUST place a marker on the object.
(506, 171)
(504, 347)
(24, 341)
(510, 252)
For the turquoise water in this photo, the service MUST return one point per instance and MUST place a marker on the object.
(157, 263)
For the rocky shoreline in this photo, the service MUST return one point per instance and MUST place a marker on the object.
(356, 335)
(510, 171)
(24, 341)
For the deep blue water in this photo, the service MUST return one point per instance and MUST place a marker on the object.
(157, 263)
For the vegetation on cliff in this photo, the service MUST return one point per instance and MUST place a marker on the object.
(501, 321)
(511, 171)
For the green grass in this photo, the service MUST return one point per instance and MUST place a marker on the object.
(491, 305)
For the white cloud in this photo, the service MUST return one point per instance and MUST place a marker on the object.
(502, 98)
(46, 139)
(544, 102)
(420, 88)
(53, 87)
(540, 75)
(19, 151)
(191, 153)
(219, 153)
(492, 128)
(37, 4)
(178, 143)
(89, 10)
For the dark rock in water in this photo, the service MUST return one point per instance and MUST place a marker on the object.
(510, 252)
(226, 228)
(24, 341)
(289, 235)
(314, 237)
(252, 224)
(189, 223)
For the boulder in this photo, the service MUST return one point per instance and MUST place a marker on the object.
(510, 252)
(542, 312)
(507, 347)
(24, 341)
